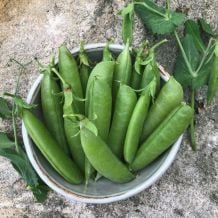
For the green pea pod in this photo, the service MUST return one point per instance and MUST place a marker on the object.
(123, 70)
(71, 125)
(72, 130)
(89, 171)
(213, 79)
(50, 148)
(137, 121)
(103, 71)
(164, 135)
(136, 80)
(170, 96)
(147, 76)
(128, 22)
(150, 71)
(70, 73)
(102, 158)
(125, 102)
(52, 108)
(84, 67)
(138, 67)
(100, 107)
(107, 55)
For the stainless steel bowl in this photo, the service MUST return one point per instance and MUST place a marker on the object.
(102, 191)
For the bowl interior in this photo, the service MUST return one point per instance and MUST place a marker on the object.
(102, 188)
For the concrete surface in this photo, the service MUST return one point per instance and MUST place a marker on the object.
(30, 29)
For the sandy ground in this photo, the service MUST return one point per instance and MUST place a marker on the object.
(31, 29)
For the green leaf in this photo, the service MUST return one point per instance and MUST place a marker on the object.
(5, 142)
(158, 19)
(40, 192)
(128, 22)
(22, 165)
(192, 28)
(206, 27)
(182, 73)
(5, 111)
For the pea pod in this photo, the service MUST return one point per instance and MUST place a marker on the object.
(100, 107)
(170, 96)
(103, 71)
(150, 71)
(163, 136)
(123, 69)
(102, 158)
(138, 67)
(50, 148)
(52, 108)
(213, 79)
(84, 68)
(124, 105)
(137, 121)
(128, 22)
(69, 71)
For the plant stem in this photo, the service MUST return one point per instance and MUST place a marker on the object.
(168, 8)
(14, 114)
(158, 44)
(192, 124)
(184, 55)
(151, 9)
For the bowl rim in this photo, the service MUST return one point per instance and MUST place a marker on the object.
(71, 195)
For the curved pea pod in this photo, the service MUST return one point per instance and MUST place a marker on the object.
(128, 22)
(170, 96)
(52, 108)
(72, 129)
(102, 71)
(125, 102)
(123, 69)
(84, 70)
(50, 148)
(137, 121)
(100, 107)
(163, 137)
(70, 73)
(150, 72)
(102, 158)
(213, 79)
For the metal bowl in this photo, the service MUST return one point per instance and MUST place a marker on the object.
(102, 191)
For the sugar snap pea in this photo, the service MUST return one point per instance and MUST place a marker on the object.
(123, 69)
(102, 158)
(70, 125)
(137, 121)
(69, 71)
(124, 105)
(103, 71)
(163, 136)
(84, 70)
(50, 148)
(52, 108)
(170, 96)
(213, 80)
(100, 107)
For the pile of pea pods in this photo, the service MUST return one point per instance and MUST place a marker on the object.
(107, 119)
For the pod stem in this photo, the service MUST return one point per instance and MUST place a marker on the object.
(192, 124)
(59, 76)
(158, 44)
